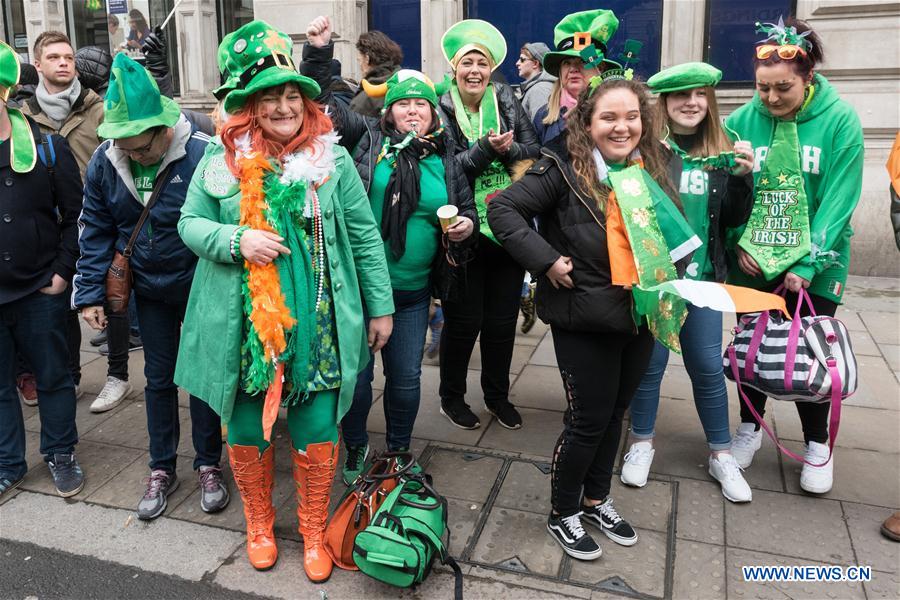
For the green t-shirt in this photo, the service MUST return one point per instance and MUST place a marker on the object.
(412, 270)
(143, 179)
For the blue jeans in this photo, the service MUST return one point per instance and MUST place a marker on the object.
(161, 329)
(701, 346)
(402, 357)
(35, 327)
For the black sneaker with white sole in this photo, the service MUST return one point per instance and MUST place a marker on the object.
(608, 520)
(575, 541)
(506, 414)
(460, 415)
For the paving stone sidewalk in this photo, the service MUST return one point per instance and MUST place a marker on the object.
(692, 541)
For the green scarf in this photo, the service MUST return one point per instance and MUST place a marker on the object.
(777, 233)
(286, 204)
(22, 151)
(723, 160)
(653, 225)
(494, 179)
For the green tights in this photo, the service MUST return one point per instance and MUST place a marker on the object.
(310, 423)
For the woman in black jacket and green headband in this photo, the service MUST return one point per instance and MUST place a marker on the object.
(409, 170)
(491, 132)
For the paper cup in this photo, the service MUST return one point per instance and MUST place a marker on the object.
(447, 216)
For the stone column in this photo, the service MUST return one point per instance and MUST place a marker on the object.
(683, 24)
(437, 17)
(198, 41)
(41, 16)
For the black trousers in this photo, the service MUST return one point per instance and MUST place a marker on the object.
(488, 305)
(600, 373)
(813, 416)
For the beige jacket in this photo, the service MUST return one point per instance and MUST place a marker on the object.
(79, 129)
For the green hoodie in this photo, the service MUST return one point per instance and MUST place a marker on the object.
(831, 146)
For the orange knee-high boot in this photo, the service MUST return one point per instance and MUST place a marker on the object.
(313, 474)
(254, 476)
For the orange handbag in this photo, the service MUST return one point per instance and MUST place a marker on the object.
(359, 503)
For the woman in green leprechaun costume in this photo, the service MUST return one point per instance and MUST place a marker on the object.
(581, 48)
(808, 146)
(288, 252)
(715, 195)
(491, 133)
(409, 169)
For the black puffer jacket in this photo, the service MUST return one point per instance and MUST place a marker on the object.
(730, 203)
(477, 157)
(363, 138)
(570, 224)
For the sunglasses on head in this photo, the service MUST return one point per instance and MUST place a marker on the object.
(785, 52)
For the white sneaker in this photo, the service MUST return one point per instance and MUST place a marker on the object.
(111, 395)
(637, 464)
(745, 443)
(724, 469)
(817, 480)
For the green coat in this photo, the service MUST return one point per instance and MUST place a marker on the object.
(209, 355)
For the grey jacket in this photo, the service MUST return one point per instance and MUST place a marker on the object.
(536, 92)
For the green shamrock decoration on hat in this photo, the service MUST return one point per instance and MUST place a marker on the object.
(474, 34)
(583, 35)
(22, 151)
(258, 56)
(133, 103)
(407, 83)
(685, 76)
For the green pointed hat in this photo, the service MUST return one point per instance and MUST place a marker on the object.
(9, 70)
(685, 76)
(473, 34)
(583, 35)
(133, 103)
(407, 83)
(258, 56)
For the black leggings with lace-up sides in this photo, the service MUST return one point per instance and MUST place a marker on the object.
(600, 373)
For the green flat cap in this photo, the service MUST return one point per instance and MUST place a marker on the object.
(473, 34)
(258, 56)
(133, 103)
(579, 30)
(685, 76)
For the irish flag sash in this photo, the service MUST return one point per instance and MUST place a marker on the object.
(777, 233)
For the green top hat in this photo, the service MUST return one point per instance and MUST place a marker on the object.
(685, 76)
(577, 33)
(407, 83)
(473, 34)
(133, 103)
(258, 56)
(9, 70)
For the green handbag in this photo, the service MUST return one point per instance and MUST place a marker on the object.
(405, 535)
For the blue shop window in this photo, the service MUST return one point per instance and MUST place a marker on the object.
(523, 21)
(731, 33)
(400, 20)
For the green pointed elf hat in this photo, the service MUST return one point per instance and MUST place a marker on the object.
(583, 35)
(407, 83)
(258, 56)
(133, 103)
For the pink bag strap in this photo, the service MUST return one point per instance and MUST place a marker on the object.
(794, 335)
(834, 419)
(755, 341)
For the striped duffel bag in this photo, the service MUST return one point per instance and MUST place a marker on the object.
(807, 359)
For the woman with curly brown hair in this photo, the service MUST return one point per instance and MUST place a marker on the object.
(601, 353)
(379, 57)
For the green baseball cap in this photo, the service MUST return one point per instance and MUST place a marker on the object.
(576, 32)
(133, 103)
(473, 34)
(685, 76)
(258, 56)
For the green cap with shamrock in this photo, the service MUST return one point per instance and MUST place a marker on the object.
(258, 56)
(133, 103)
(575, 35)
(685, 76)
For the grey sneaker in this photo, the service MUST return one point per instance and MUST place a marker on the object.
(67, 474)
(7, 484)
(159, 485)
(214, 495)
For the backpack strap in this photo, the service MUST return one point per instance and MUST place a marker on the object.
(47, 154)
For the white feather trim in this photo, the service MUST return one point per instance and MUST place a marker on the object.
(242, 145)
(314, 163)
